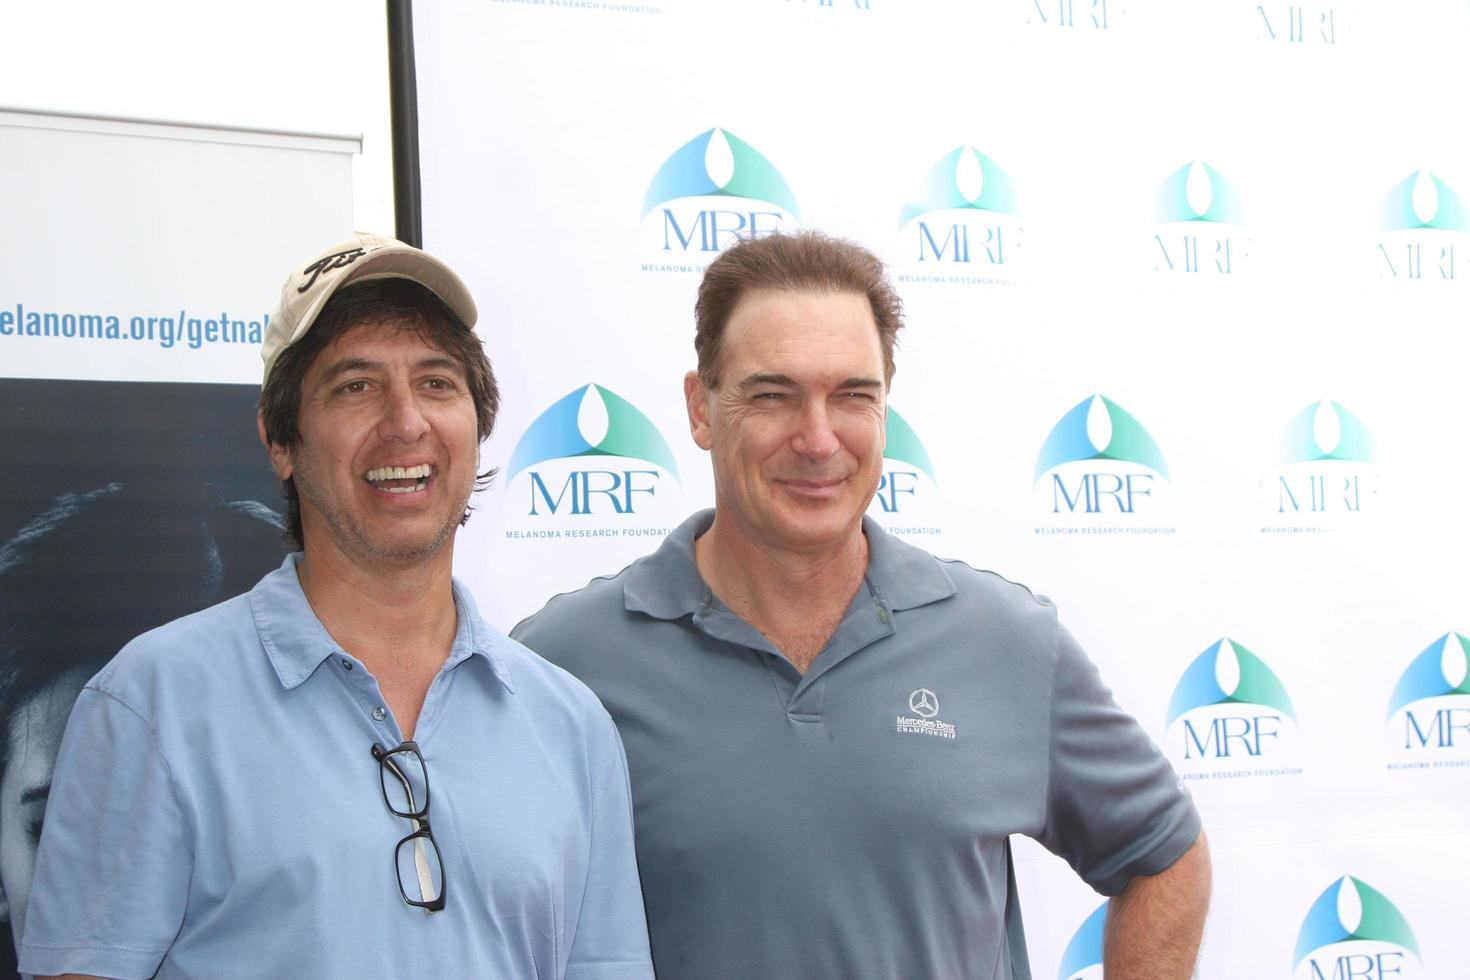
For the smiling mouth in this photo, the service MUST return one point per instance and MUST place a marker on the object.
(812, 488)
(809, 481)
(400, 479)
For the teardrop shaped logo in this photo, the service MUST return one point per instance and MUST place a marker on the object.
(1425, 198)
(1099, 424)
(1455, 661)
(1442, 668)
(1197, 190)
(1326, 428)
(719, 160)
(717, 163)
(962, 179)
(1227, 669)
(969, 176)
(592, 417)
(1349, 905)
(1099, 428)
(1228, 673)
(591, 420)
(1351, 910)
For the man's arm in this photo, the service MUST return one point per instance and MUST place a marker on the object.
(1154, 925)
(114, 864)
(609, 936)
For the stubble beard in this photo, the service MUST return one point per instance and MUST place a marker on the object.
(353, 538)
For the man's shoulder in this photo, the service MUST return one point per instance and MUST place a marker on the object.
(548, 684)
(579, 612)
(919, 570)
(987, 583)
(176, 653)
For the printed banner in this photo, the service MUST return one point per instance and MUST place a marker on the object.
(1185, 289)
(137, 273)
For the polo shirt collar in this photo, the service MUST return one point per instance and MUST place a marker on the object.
(296, 643)
(667, 583)
(905, 577)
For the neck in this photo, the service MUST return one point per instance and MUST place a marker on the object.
(774, 585)
(399, 617)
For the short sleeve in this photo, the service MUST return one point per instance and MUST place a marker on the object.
(115, 860)
(611, 938)
(1115, 808)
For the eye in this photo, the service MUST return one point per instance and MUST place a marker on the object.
(354, 387)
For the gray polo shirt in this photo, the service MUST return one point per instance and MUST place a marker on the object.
(853, 822)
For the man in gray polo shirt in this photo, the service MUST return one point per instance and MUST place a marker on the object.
(831, 734)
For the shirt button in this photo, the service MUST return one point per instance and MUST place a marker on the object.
(379, 714)
(347, 665)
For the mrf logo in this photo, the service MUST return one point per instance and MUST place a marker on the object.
(858, 5)
(904, 460)
(1423, 231)
(1353, 932)
(1198, 230)
(1326, 474)
(963, 217)
(1429, 710)
(904, 502)
(1100, 462)
(1228, 707)
(714, 190)
(1083, 957)
(1294, 24)
(1070, 14)
(591, 453)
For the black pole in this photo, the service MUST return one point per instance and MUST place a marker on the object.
(404, 109)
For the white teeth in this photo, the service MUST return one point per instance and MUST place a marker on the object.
(419, 472)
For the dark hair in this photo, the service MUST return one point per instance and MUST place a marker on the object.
(102, 566)
(804, 261)
(373, 302)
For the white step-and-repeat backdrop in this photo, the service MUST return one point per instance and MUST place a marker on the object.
(1187, 287)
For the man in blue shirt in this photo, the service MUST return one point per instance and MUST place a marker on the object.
(345, 772)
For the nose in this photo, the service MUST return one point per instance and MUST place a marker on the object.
(403, 418)
(814, 437)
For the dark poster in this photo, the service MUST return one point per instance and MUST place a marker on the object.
(127, 505)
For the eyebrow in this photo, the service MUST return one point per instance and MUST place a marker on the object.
(756, 380)
(349, 364)
(786, 381)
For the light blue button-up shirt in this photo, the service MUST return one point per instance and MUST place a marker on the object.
(216, 812)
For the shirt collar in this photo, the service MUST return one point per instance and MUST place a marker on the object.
(667, 583)
(296, 642)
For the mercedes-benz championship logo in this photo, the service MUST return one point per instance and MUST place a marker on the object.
(923, 703)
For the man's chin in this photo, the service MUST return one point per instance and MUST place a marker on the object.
(818, 526)
(405, 547)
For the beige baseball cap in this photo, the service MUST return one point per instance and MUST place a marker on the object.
(359, 258)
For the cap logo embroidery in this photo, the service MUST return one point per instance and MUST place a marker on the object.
(327, 263)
